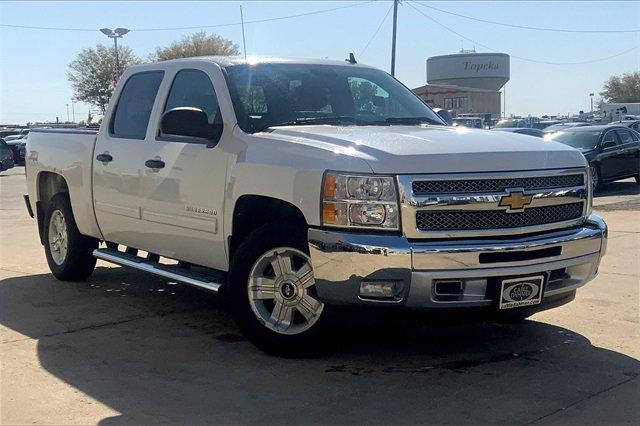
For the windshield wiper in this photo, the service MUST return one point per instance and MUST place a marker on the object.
(336, 119)
(411, 120)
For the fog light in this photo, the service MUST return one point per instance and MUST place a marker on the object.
(380, 289)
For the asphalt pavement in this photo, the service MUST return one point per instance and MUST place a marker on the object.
(126, 347)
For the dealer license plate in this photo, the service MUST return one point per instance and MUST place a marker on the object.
(523, 291)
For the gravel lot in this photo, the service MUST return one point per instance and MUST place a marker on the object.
(126, 347)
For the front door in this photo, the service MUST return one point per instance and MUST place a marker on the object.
(182, 193)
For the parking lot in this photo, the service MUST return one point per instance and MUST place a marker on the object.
(126, 347)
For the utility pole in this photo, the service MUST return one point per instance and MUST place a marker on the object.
(67, 113)
(115, 35)
(73, 110)
(393, 39)
(244, 43)
(591, 96)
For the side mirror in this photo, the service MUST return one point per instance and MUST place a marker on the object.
(608, 144)
(190, 122)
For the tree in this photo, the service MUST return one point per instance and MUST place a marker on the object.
(625, 88)
(92, 73)
(198, 44)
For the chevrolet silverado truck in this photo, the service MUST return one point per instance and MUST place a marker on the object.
(295, 186)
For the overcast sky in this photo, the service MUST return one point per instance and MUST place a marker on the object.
(33, 63)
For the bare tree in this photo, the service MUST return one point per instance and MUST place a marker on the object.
(92, 73)
(198, 44)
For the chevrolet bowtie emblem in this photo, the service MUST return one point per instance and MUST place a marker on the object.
(515, 201)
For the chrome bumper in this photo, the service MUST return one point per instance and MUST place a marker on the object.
(342, 260)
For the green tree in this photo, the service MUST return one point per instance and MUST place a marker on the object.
(625, 88)
(92, 73)
(198, 44)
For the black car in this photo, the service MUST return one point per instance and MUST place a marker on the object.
(521, 130)
(613, 152)
(6, 156)
(18, 144)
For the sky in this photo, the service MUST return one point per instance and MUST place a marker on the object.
(33, 63)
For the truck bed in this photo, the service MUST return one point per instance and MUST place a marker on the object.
(68, 152)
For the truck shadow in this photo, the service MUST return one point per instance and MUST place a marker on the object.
(158, 352)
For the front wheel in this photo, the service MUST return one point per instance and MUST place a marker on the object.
(273, 295)
(595, 177)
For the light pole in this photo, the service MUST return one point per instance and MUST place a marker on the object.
(67, 113)
(591, 96)
(115, 35)
(73, 110)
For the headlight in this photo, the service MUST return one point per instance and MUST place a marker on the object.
(359, 201)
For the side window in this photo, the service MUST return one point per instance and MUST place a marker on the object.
(625, 136)
(609, 138)
(133, 109)
(193, 88)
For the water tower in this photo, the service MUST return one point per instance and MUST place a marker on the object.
(469, 69)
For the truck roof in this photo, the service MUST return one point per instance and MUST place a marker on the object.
(227, 61)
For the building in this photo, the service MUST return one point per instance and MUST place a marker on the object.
(466, 82)
(461, 100)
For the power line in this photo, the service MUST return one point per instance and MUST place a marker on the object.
(256, 21)
(525, 27)
(386, 15)
(520, 57)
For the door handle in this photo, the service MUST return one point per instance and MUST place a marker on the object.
(104, 158)
(154, 164)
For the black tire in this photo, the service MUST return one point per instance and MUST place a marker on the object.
(78, 263)
(596, 179)
(311, 342)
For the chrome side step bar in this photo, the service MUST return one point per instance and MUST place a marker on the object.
(169, 272)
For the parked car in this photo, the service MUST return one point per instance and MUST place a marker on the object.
(511, 123)
(632, 124)
(276, 181)
(17, 144)
(6, 156)
(521, 130)
(541, 125)
(613, 152)
(563, 126)
(471, 122)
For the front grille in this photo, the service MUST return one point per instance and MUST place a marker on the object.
(496, 219)
(422, 187)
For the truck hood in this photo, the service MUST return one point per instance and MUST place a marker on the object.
(436, 149)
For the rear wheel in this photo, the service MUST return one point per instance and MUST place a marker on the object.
(69, 253)
(272, 292)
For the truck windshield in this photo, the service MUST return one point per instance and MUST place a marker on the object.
(270, 95)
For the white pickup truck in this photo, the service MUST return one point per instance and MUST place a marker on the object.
(298, 185)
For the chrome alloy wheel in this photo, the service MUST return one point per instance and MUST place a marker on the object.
(281, 291)
(58, 237)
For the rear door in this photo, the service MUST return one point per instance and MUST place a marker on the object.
(630, 148)
(118, 159)
(182, 201)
